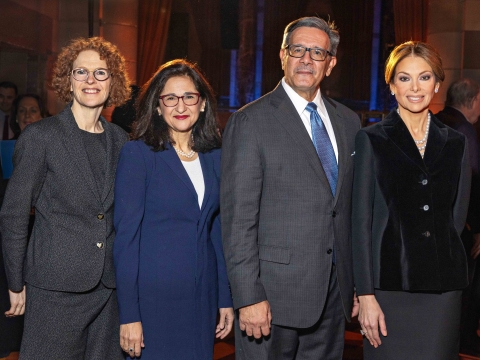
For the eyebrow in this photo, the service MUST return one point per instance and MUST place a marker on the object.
(423, 72)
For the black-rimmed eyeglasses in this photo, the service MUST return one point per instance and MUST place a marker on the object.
(81, 74)
(188, 99)
(298, 51)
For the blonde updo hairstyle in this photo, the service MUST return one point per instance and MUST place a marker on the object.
(414, 48)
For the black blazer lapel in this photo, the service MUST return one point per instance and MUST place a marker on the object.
(288, 117)
(74, 145)
(437, 138)
(340, 137)
(398, 133)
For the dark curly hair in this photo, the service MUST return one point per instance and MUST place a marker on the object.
(152, 128)
(119, 90)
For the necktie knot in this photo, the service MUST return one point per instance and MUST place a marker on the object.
(311, 106)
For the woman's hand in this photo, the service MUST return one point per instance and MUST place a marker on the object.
(131, 338)
(17, 303)
(225, 323)
(371, 317)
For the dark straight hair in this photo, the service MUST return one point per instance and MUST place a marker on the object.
(152, 128)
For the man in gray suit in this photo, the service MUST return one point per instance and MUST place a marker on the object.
(286, 184)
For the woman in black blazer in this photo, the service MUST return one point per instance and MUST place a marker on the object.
(410, 198)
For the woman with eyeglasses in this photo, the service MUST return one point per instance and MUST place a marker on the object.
(64, 166)
(170, 270)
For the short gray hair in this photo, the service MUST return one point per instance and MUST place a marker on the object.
(462, 93)
(315, 22)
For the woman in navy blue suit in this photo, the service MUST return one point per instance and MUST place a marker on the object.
(170, 268)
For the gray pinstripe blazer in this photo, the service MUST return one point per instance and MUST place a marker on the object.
(70, 248)
(279, 218)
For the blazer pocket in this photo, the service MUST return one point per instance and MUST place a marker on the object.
(275, 254)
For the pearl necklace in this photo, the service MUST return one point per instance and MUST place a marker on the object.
(422, 143)
(188, 156)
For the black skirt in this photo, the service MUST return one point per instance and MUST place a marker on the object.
(420, 326)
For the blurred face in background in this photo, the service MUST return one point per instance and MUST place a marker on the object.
(7, 95)
(28, 112)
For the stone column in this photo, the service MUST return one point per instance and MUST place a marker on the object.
(454, 30)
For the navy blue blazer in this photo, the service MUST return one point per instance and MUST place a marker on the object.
(168, 255)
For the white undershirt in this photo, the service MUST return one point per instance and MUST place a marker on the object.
(300, 104)
(195, 173)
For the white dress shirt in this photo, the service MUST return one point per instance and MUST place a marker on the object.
(195, 173)
(300, 104)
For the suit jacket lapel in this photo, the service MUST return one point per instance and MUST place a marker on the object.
(340, 137)
(173, 161)
(74, 145)
(208, 176)
(288, 117)
(113, 149)
(437, 138)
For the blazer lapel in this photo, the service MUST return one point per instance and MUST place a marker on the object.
(437, 138)
(208, 176)
(74, 145)
(288, 117)
(173, 161)
(398, 133)
(113, 149)
(340, 137)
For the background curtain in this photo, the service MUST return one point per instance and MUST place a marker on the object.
(153, 22)
(410, 17)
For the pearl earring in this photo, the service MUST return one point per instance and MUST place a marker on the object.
(436, 90)
(393, 93)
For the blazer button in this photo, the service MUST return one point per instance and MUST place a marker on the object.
(100, 216)
(426, 207)
(426, 234)
(424, 182)
(329, 251)
(334, 214)
(100, 245)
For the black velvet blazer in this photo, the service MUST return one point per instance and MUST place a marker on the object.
(408, 212)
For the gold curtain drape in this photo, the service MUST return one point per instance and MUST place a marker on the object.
(410, 18)
(153, 22)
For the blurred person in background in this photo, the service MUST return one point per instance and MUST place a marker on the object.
(8, 93)
(461, 112)
(27, 109)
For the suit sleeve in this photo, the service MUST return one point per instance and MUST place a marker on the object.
(130, 187)
(362, 214)
(241, 190)
(460, 207)
(25, 184)
(224, 294)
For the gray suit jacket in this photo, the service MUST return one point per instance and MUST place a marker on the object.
(70, 248)
(280, 221)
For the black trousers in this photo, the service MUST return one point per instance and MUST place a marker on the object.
(324, 340)
(71, 326)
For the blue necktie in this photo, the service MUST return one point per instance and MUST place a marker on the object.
(324, 147)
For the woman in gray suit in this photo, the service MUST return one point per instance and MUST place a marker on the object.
(64, 167)
(410, 198)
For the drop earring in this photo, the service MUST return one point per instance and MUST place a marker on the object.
(436, 90)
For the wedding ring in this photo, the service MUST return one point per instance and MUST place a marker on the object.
(363, 332)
